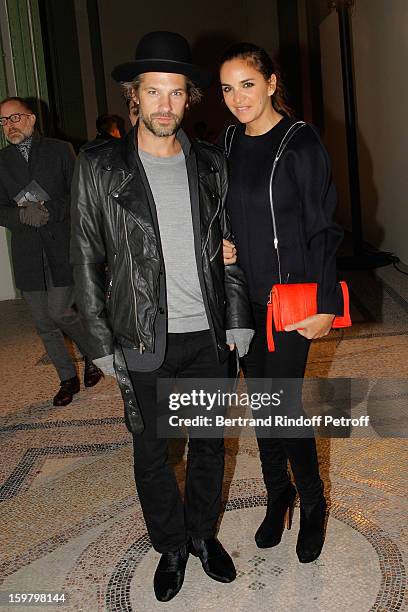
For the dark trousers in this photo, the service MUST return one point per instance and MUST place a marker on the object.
(288, 361)
(53, 314)
(169, 521)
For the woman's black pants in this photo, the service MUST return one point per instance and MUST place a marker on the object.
(288, 361)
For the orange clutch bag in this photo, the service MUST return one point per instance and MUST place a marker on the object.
(296, 301)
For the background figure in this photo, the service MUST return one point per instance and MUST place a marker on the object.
(35, 181)
(109, 126)
(291, 195)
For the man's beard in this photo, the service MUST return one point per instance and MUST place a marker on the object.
(17, 137)
(151, 123)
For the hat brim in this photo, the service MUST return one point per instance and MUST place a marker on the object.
(130, 70)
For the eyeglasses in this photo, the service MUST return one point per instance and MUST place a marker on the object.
(14, 118)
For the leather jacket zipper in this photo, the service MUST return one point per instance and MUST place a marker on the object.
(209, 228)
(141, 345)
(115, 192)
(216, 252)
(109, 290)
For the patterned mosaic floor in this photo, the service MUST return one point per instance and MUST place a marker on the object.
(71, 522)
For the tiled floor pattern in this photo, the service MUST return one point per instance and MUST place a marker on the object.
(71, 522)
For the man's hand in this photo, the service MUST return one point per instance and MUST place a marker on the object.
(229, 252)
(34, 214)
(105, 364)
(240, 339)
(315, 326)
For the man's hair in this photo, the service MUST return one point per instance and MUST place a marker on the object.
(194, 93)
(23, 101)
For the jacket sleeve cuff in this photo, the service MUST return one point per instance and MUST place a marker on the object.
(330, 302)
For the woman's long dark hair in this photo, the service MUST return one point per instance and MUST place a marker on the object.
(263, 63)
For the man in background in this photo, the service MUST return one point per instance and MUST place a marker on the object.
(109, 126)
(35, 181)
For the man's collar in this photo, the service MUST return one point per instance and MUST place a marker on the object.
(184, 141)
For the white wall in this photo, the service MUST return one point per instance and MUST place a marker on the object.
(380, 41)
(7, 291)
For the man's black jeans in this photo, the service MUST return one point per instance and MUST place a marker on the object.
(169, 521)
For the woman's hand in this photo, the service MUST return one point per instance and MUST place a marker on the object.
(229, 252)
(315, 326)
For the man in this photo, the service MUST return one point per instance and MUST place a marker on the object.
(35, 179)
(152, 208)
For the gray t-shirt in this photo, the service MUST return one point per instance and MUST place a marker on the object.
(168, 182)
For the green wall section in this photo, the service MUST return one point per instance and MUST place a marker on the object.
(3, 87)
(46, 64)
(27, 53)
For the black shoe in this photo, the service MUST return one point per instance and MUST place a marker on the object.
(68, 389)
(92, 374)
(169, 575)
(279, 512)
(311, 534)
(215, 560)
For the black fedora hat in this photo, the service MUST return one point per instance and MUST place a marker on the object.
(162, 52)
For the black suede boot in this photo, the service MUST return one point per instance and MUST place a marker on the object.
(169, 575)
(279, 511)
(312, 530)
(215, 560)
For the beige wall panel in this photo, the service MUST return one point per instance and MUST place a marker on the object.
(380, 41)
(380, 36)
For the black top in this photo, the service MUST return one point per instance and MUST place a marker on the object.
(250, 165)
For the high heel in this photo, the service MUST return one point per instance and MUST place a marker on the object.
(289, 514)
(279, 515)
(311, 534)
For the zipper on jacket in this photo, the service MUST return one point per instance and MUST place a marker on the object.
(117, 190)
(281, 148)
(209, 227)
(216, 252)
(109, 289)
(275, 234)
(141, 345)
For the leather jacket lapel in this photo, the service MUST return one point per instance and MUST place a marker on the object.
(132, 191)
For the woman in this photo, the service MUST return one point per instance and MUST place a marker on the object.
(281, 207)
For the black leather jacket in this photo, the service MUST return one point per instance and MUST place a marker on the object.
(114, 222)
